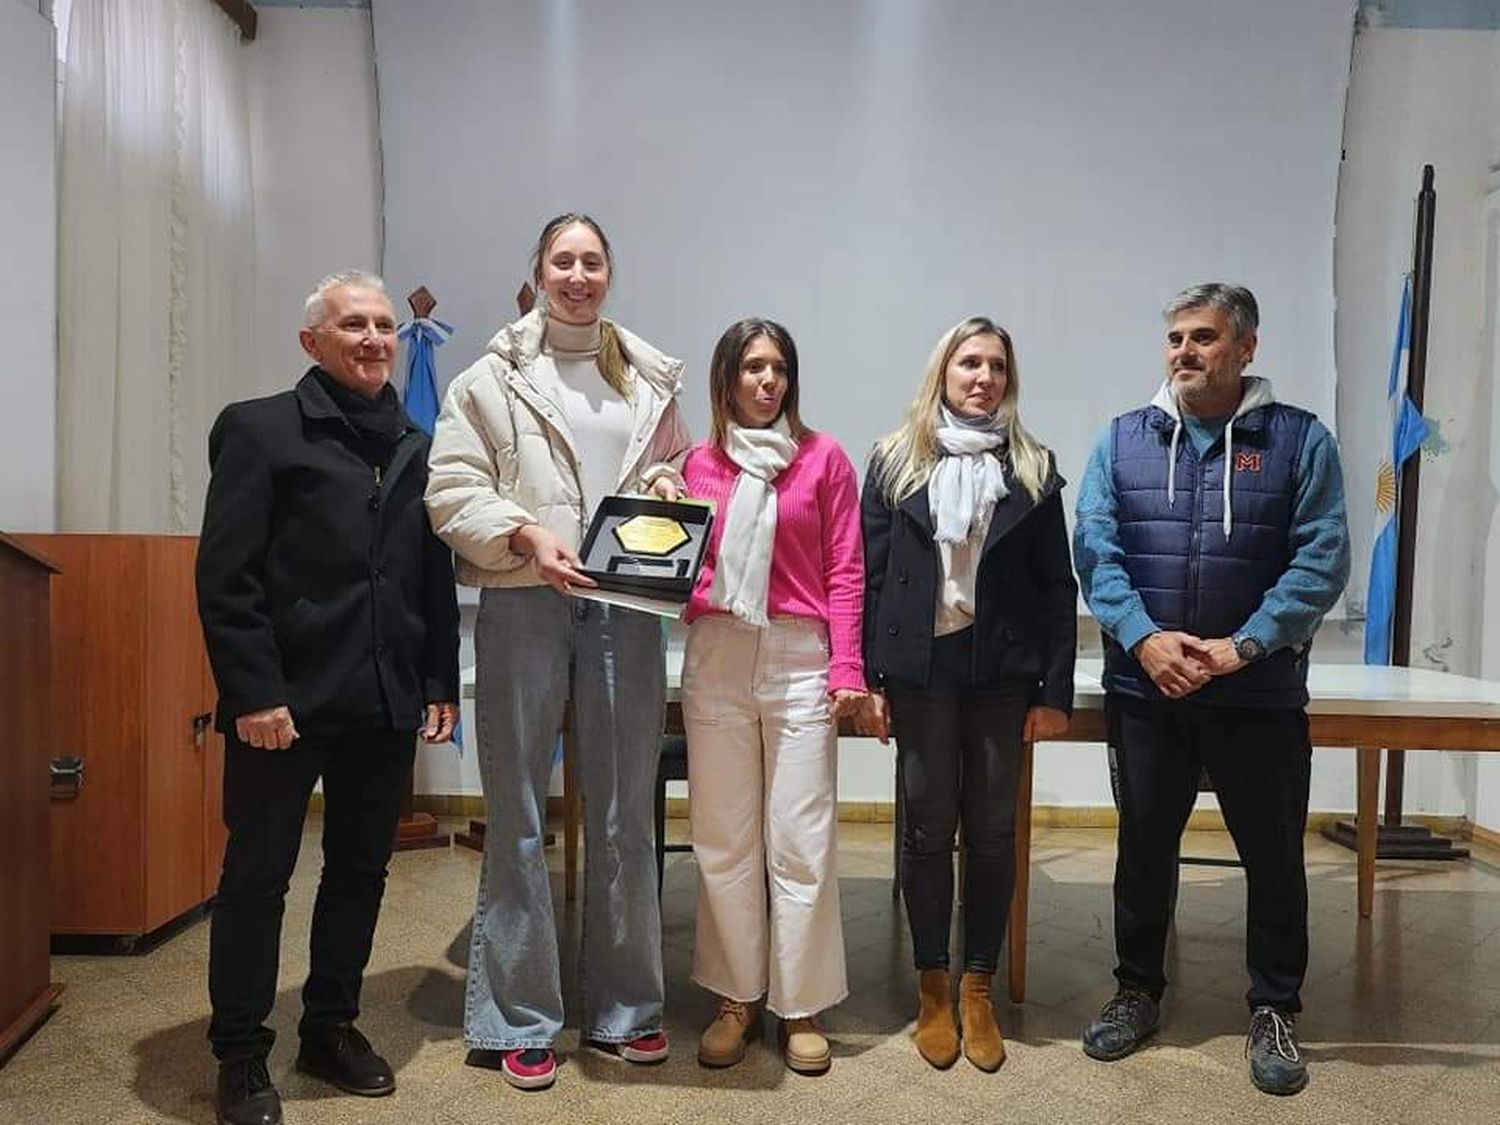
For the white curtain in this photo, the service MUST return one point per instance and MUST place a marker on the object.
(156, 259)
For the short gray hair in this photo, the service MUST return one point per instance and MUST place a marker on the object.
(1234, 301)
(315, 308)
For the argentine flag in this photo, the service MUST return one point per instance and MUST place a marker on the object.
(1408, 431)
(423, 336)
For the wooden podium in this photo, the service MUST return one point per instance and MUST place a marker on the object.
(27, 993)
(139, 840)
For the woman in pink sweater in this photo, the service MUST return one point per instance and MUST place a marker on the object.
(773, 661)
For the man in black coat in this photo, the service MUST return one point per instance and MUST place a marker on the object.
(331, 621)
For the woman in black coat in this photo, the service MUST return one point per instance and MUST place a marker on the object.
(970, 631)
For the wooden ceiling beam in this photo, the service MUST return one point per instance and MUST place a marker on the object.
(242, 12)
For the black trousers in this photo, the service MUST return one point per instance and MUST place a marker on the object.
(1260, 764)
(265, 804)
(959, 748)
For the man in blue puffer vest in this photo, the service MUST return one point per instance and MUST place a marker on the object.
(1210, 542)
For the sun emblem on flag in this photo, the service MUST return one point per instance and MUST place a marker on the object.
(1385, 488)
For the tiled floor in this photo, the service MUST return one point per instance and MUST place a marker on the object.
(1402, 1021)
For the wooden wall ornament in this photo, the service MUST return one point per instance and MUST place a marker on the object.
(422, 302)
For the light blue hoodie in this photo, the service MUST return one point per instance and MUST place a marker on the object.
(1291, 610)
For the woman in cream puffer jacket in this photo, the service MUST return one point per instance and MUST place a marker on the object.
(563, 409)
(504, 454)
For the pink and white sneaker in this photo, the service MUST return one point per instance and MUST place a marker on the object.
(650, 1048)
(530, 1068)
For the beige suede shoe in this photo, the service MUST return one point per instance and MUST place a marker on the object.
(806, 1048)
(723, 1041)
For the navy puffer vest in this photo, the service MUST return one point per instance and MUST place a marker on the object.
(1190, 577)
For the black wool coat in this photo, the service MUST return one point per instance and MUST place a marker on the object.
(320, 583)
(1026, 622)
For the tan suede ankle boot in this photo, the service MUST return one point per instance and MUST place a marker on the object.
(937, 1032)
(983, 1045)
(723, 1041)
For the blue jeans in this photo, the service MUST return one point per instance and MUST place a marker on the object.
(535, 650)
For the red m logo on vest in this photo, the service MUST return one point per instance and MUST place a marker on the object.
(1247, 462)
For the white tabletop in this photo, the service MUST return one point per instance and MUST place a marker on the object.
(1357, 689)
(1343, 689)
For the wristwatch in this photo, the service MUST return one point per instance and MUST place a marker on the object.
(1249, 649)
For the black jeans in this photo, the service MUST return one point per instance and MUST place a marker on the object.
(959, 748)
(265, 804)
(1260, 764)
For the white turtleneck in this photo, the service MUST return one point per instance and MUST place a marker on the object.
(598, 415)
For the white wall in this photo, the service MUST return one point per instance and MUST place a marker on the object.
(1415, 97)
(313, 107)
(28, 282)
(872, 171)
(316, 153)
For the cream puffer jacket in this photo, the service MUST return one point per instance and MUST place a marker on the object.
(504, 457)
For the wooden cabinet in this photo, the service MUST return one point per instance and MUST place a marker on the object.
(142, 840)
(26, 989)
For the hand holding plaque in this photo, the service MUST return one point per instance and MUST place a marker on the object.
(646, 547)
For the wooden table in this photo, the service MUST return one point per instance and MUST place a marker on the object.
(1353, 706)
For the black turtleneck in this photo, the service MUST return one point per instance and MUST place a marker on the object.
(378, 421)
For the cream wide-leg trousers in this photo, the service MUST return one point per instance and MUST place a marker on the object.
(762, 798)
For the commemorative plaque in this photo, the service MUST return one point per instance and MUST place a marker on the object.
(648, 547)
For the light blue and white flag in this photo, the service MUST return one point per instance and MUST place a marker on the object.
(1408, 431)
(423, 336)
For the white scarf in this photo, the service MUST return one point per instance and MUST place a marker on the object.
(742, 578)
(969, 478)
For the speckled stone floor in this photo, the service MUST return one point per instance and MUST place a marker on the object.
(1402, 1020)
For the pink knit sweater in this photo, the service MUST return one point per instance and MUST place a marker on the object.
(817, 565)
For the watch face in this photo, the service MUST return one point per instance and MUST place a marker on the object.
(1249, 648)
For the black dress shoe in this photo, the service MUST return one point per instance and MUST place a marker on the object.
(245, 1095)
(1126, 1022)
(340, 1055)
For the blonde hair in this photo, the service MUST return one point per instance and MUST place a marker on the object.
(613, 366)
(904, 459)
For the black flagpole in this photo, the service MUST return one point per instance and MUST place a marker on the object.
(1395, 840)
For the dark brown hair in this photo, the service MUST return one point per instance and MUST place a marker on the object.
(724, 374)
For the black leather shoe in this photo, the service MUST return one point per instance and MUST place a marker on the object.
(1126, 1022)
(245, 1095)
(343, 1057)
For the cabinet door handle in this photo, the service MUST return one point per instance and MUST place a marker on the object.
(201, 724)
(66, 775)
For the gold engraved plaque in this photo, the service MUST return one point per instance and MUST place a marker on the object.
(651, 535)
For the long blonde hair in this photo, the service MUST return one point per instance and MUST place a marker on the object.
(611, 361)
(904, 459)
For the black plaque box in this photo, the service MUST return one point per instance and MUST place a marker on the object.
(632, 547)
